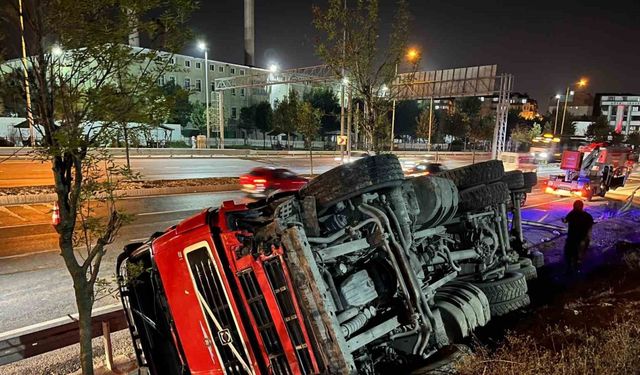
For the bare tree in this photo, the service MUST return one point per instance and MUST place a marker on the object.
(86, 84)
(350, 44)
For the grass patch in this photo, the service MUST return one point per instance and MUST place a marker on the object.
(597, 350)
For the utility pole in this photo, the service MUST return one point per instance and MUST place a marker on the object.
(393, 116)
(221, 118)
(430, 121)
(349, 116)
(342, 82)
(555, 124)
(564, 111)
(25, 72)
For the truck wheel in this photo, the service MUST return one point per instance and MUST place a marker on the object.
(537, 259)
(475, 174)
(481, 196)
(512, 285)
(530, 179)
(514, 180)
(348, 180)
(529, 272)
(506, 307)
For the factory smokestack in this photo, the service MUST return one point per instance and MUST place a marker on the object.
(249, 33)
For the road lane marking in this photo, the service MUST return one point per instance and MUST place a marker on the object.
(167, 212)
(543, 203)
(12, 214)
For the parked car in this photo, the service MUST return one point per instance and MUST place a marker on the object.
(261, 182)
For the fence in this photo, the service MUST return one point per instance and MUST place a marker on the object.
(55, 334)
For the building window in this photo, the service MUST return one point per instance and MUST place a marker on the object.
(187, 83)
(161, 81)
(198, 85)
(241, 72)
(213, 86)
(198, 66)
(221, 69)
(233, 70)
(233, 92)
(241, 92)
(172, 80)
(187, 63)
(172, 61)
(212, 67)
(234, 113)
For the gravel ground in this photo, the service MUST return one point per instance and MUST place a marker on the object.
(65, 361)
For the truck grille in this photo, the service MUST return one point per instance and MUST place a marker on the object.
(264, 321)
(277, 280)
(207, 280)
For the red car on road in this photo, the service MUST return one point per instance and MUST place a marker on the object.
(260, 182)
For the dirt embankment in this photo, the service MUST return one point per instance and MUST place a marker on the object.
(585, 323)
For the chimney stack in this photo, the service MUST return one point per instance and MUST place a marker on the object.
(249, 33)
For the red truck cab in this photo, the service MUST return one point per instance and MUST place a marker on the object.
(218, 302)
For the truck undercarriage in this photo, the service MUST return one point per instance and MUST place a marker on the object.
(359, 272)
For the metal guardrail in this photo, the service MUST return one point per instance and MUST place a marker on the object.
(58, 333)
(204, 153)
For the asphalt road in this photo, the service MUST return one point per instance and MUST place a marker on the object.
(36, 287)
(15, 173)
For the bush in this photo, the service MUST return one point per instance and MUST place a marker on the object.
(594, 350)
(179, 144)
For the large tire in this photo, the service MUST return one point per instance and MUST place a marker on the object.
(511, 286)
(506, 307)
(530, 179)
(537, 258)
(514, 180)
(479, 197)
(529, 272)
(348, 180)
(475, 174)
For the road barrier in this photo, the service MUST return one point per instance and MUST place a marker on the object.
(55, 334)
(23, 153)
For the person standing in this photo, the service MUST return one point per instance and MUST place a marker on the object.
(578, 235)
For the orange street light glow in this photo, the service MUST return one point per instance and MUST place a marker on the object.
(583, 82)
(412, 54)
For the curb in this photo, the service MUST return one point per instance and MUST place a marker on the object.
(50, 197)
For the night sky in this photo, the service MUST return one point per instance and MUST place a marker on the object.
(545, 44)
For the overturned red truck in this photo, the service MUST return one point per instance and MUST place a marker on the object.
(361, 271)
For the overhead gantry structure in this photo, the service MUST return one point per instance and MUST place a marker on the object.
(475, 81)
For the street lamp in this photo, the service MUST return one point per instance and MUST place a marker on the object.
(412, 56)
(273, 68)
(203, 47)
(555, 124)
(581, 83)
(56, 50)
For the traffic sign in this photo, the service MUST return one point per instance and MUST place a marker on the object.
(342, 140)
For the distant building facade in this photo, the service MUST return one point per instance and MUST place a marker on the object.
(525, 106)
(580, 104)
(622, 111)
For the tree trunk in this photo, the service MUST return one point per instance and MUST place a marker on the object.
(126, 146)
(311, 157)
(84, 301)
(264, 140)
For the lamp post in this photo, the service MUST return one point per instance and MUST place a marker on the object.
(581, 83)
(25, 72)
(204, 48)
(412, 56)
(555, 124)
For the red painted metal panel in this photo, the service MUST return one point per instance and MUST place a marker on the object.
(191, 323)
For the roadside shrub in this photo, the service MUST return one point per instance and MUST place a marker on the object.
(606, 350)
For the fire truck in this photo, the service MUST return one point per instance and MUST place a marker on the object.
(592, 170)
(361, 271)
